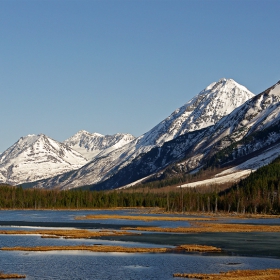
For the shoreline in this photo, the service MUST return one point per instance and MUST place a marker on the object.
(159, 211)
(246, 242)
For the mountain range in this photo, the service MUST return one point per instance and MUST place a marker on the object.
(36, 157)
(224, 125)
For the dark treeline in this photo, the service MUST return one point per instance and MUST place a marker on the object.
(258, 193)
(19, 198)
(178, 200)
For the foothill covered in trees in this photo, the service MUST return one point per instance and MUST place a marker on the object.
(258, 193)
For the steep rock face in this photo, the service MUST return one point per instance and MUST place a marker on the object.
(91, 144)
(204, 110)
(37, 157)
(256, 114)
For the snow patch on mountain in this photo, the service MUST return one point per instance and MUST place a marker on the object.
(276, 90)
(229, 178)
(256, 162)
(240, 171)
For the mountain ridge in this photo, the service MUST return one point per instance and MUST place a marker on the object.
(105, 166)
(91, 144)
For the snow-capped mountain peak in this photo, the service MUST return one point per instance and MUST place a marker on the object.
(91, 144)
(84, 133)
(205, 109)
(19, 147)
(225, 85)
(35, 157)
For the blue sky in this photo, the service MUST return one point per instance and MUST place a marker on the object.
(124, 65)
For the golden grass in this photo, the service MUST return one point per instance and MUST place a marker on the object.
(142, 218)
(210, 227)
(75, 233)
(108, 248)
(234, 215)
(11, 276)
(213, 215)
(198, 248)
(267, 274)
(92, 248)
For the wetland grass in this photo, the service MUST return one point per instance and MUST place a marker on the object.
(142, 218)
(198, 248)
(267, 274)
(116, 249)
(210, 227)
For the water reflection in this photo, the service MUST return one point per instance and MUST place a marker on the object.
(86, 265)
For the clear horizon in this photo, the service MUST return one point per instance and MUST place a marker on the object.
(123, 66)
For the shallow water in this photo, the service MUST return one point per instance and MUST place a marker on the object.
(254, 221)
(90, 265)
(85, 265)
(48, 216)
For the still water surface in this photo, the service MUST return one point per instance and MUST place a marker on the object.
(89, 265)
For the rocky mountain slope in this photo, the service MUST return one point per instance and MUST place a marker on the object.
(203, 111)
(91, 144)
(248, 138)
(37, 157)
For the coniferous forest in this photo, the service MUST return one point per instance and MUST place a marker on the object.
(258, 193)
